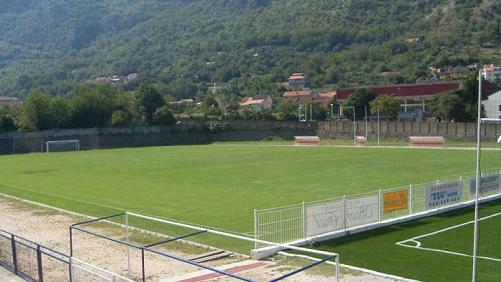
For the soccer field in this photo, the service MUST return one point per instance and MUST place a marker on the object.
(218, 185)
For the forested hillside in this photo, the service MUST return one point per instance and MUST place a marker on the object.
(184, 46)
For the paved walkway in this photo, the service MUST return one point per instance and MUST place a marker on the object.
(7, 276)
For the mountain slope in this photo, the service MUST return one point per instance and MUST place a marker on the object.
(185, 45)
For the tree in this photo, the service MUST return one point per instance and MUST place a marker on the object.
(7, 122)
(359, 100)
(164, 116)
(149, 100)
(61, 112)
(210, 106)
(448, 105)
(37, 112)
(92, 107)
(319, 112)
(287, 110)
(386, 105)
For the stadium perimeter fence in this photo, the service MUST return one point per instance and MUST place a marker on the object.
(34, 262)
(308, 221)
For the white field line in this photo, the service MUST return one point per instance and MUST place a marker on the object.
(354, 146)
(351, 267)
(417, 243)
(144, 231)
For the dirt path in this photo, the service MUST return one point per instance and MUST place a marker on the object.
(50, 227)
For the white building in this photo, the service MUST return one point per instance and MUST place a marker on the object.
(492, 106)
(492, 72)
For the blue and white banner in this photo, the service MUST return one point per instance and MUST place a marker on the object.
(443, 194)
(489, 184)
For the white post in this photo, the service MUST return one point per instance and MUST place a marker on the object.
(311, 112)
(354, 126)
(410, 199)
(337, 269)
(366, 130)
(477, 179)
(304, 221)
(344, 211)
(127, 240)
(379, 205)
(256, 231)
(378, 127)
(332, 112)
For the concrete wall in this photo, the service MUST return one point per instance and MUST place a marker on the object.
(195, 132)
(188, 132)
(401, 130)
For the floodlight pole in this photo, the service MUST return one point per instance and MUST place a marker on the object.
(354, 126)
(477, 180)
(366, 123)
(378, 126)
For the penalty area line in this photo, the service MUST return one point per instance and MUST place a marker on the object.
(418, 244)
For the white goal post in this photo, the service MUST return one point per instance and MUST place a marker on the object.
(61, 146)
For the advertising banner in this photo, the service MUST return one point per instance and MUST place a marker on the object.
(397, 200)
(362, 210)
(443, 194)
(324, 217)
(489, 184)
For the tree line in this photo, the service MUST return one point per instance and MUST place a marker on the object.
(101, 106)
(107, 106)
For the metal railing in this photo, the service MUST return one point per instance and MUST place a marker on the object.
(34, 262)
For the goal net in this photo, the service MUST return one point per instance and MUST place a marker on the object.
(61, 146)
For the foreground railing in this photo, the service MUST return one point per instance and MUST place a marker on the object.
(34, 262)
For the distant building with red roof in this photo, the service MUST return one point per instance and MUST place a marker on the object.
(12, 103)
(257, 103)
(425, 91)
(297, 81)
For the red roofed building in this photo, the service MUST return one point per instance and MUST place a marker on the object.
(301, 97)
(12, 103)
(424, 91)
(257, 103)
(297, 81)
(412, 96)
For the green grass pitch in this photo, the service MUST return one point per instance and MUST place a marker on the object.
(377, 249)
(220, 185)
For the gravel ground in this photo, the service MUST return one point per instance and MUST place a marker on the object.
(49, 227)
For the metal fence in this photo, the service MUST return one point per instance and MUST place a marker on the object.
(302, 221)
(137, 265)
(34, 262)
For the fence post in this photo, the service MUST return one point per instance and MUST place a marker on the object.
(39, 263)
(142, 263)
(304, 220)
(256, 226)
(127, 240)
(410, 199)
(344, 212)
(14, 255)
(379, 205)
(71, 241)
(70, 270)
